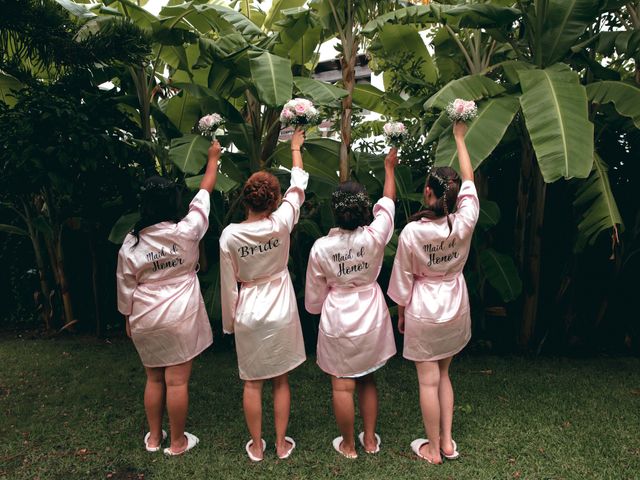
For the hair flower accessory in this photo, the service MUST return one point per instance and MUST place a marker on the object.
(348, 199)
(209, 125)
(299, 112)
(462, 110)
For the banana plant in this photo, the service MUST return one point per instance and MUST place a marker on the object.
(519, 63)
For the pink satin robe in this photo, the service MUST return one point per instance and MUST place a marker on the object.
(427, 279)
(159, 290)
(355, 333)
(263, 314)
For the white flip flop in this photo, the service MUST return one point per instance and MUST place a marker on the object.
(192, 441)
(378, 442)
(336, 446)
(455, 455)
(251, 455)
(416, 445)
(293, 445)
(153, 449)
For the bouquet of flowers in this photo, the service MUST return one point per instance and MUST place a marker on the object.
(209, 125)
(299, 112)
(462, 110)
(395, 133)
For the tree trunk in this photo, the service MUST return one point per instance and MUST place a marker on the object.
(47, 312)
(348, 65)
(62, 279)
(528, 241)
(272, 125)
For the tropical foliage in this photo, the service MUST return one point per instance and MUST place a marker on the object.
(120, 91)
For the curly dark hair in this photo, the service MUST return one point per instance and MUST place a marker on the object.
(351, 206)
(445, 183)
(159, 202)
(261, 192)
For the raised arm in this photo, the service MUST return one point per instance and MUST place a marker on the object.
(296, 143)
(466, 170)
(211, 173)
(390, 163)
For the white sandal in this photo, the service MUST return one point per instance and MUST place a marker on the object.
(453, 456)
(293, 445)
(416, 445)
(336, 445)
(192, 441)
(378, 442)
(154, 449)
(251, 455)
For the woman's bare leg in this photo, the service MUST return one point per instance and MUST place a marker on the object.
(429, 380)
(368, 400)
(177, 380)
(281, 410)
(343, 390)
(445, 393)
(252, 405)
(154, 392)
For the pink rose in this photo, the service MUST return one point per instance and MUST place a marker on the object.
(300, 109)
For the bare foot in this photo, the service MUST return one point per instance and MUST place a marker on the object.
(447, 447)
(348, 451)
(430, 454)
(256, 450)
(154, 441)
(179, 446)
(282, 448)
(370, 443)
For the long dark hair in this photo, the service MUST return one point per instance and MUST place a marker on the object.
(444, 182)
(351, 205)
(159, 202)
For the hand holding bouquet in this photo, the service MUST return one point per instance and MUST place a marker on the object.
(462, 110)
(209, 125)
(395, 133)
(299, 112)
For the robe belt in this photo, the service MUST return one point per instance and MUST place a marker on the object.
(171, 280)
(270, 278)
(356, 289)
(435, 279)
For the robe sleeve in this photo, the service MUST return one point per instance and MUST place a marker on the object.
(383, 214)
(401, 281)
(228, 289)
(316, 288)
(196, 222)
(289, 212)
(127, 282)
(468, 208)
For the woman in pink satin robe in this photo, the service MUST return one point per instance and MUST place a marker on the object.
(433, 304)
(159, 293)
(263, 313)
(355, 335)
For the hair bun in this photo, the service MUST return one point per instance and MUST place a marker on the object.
(261, 192)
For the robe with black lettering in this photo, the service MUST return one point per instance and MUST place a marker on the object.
(263, 311)
(159, 290)
(355, 336)
(427, 279)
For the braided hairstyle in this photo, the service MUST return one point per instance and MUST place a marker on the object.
(159, 202)
(261, 193)
(444, 182)
(351, 206)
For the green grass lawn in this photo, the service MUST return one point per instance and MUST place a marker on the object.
(72, 409)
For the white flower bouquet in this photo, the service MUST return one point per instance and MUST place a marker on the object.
(299, 112)
(462, 110)
(395, 133)
(209, 125)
